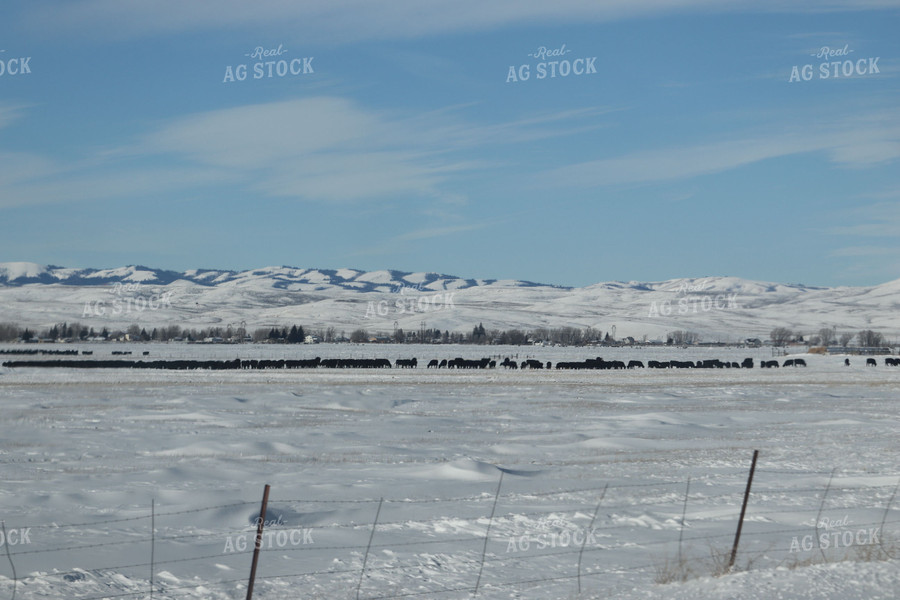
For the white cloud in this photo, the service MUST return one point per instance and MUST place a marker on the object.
(320, 149)
(9, 113)
(879, 220)
(857, 251)
(852, 143)
(324, 148)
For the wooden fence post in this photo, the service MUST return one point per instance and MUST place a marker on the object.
(259, 532)
(737, 536)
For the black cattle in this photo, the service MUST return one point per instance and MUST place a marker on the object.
(432, 364)
(870, 362)
(406, 363)
(635, 364)
(655, 364)
(681, 364)
(443, 364)
(714, 363)
(532, 364)
(768, 364)
(747, 363)
(794, 362)
(892, 362)
(356, 363)
(846, 362)
(462, 363)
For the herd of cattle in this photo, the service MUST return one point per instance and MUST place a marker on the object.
(412, 363)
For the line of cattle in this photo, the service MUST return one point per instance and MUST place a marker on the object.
(412, 363)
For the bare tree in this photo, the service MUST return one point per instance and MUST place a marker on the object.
(845, 339)
(826, 336)
(683, 337)
(781, 336)
(9, 332)
(359, 336)
(870, 338)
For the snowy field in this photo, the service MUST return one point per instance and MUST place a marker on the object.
(450, 484)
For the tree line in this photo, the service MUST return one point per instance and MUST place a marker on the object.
(828, 336)
(479, 335)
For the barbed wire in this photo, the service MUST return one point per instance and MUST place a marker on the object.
(509, 528)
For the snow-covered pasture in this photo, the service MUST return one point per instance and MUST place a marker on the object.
(611, 480)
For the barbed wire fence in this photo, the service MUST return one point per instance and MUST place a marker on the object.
(584, 542)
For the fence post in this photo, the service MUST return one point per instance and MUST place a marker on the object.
(362, 573)
(887, 509)
(819, 514)
(590, 529)
(737, 536)
(259, 532)
(487, 534)
(687, 491)
(152, 541)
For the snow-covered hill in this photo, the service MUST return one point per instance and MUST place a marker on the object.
(717, 308)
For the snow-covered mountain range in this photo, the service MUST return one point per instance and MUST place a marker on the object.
(717, 308)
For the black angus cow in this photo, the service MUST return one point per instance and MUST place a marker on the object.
(794, 362)
(892, 362)
(462, 363)
(870, 362)
(681, 364)
(531, 364)
(846, 362)
(406, 363)
(635, 364)
(768, 364)
(433, 364)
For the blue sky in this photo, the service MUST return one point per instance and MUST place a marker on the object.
(689, 152)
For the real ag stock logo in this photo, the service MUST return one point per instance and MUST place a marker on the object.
(843, 66)
(269, 63)
(15, 537)
(17, 65)
(552, 533)
(837, 533)
(127, 298)
(278, 538)
(406, 304)
(552, 64)
(696, 299)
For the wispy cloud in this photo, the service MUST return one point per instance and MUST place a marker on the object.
(426, 234)
(852, 142)
(10, 113)
(861, 251)
(316, 149)
(877, 220)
